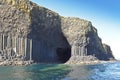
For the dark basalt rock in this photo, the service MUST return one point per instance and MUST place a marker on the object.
(108, 52)
(55, 39)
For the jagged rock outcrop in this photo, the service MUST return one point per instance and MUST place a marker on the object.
(54, 38)
(108, 52)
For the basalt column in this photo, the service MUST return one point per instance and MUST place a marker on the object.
(3, 39)
(79, 49)
(14, 44)
(30, 49)
(17, 46)
(1, 42)
(9, 42)
(23, 46)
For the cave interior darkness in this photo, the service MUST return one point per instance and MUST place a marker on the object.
(64, 54)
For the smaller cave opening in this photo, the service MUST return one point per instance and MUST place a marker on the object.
(63, 54)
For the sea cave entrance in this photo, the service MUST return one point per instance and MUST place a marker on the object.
(63, 54)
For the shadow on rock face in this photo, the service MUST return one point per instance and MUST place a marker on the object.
(63, 54)
(49, 43)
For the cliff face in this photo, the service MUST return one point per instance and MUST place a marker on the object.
(23, 19)
(108, 52)
(45, 36)
(84, 40)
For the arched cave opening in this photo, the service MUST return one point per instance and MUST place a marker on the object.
(63, 54)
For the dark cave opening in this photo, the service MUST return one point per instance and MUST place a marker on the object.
(63, 54)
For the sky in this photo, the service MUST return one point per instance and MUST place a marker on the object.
(104, 15)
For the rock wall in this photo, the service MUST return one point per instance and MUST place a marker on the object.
(54, 38)
(84, 40)
(108, 52)
(40, 24)
(15, 48)
(82, 36)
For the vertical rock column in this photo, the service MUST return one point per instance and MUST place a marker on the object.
(14, 44)
(79, 50)
(5, 41)
(22, 46)
(9, 42)
(25, 40)
(85, 51)
(19, 40)
(17, 46)
(1, 42)
(76, 49)
(30, 49)
(73, 50)
(9, 47)
(27, 49)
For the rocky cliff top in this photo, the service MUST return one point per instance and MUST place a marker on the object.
(24, 5)
(21, 14)
(76, 28)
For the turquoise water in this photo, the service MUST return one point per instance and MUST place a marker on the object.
(107, 71)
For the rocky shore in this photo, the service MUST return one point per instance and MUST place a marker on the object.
(15, 63)
(24, 63)
(88, 62)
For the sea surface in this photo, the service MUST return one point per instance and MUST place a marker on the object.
(105, 71)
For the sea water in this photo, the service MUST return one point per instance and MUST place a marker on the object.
(106, 71)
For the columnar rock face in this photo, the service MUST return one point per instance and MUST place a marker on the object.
(25, 19)
(54, 38)
(108, 52)
(15, 48)
(84, 40)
